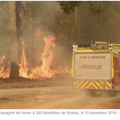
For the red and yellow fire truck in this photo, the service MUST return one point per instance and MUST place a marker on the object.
(97, 66)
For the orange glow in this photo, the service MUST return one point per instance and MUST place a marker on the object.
(21, 27)
(4, 73)
(43, 71)
(20, 16)
(39, 32)
(23, 69)
(46, 58)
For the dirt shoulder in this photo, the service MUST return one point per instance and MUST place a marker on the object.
(60, 97)
(30, 83)
(55, 93)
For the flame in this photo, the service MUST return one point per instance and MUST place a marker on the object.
(2, 59)
(21, 27)
(20, 16)
(43, 71)
(39, 32)
(46, 58)
(4, 73)
(23, 65)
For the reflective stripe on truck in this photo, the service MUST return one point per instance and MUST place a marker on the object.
(92, 84)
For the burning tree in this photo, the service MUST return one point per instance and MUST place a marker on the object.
(19, 63)
(19, 26)
(14, 47)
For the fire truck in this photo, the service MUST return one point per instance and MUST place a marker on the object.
(96, 66)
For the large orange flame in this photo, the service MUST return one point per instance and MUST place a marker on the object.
(42, 71)
(23, 65)
(4, 73)
(46, 58)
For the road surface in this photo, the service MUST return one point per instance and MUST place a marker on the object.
(55, 98)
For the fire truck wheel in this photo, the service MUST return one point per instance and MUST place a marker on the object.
(92, 93)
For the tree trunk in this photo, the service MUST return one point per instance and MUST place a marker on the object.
(32, 50)
(14, 48)
(32, 41)
(76, 23)
(19, 27)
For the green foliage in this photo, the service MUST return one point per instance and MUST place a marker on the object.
(95, 9)
(68, 6)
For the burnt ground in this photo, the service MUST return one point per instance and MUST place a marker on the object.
(59, 80)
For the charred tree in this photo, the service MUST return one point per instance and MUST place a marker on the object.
(19, 26)
(76, 24)
(14, 47)
(32, 41)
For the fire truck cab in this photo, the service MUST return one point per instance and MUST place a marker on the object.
(96, 66)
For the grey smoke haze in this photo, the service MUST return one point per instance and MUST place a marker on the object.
(52, 21)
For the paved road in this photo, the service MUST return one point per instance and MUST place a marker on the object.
(55, 98)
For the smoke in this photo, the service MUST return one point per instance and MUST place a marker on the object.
(102, 27)
(52, 21)
(43, 18)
